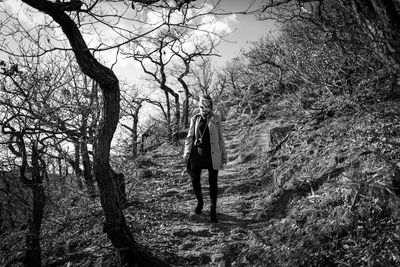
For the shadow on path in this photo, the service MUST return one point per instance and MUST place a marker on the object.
(229, 219)
(223, 220)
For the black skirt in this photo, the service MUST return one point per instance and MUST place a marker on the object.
(201, 158)
(201, 154)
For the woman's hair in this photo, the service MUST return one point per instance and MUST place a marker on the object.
(207, 98)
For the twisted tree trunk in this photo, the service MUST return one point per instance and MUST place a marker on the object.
(115, 225)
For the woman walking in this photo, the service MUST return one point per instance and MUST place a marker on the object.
(205, 149)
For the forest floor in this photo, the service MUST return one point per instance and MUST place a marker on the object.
(160, 212)
(327, 195)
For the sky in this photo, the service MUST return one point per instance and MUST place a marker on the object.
(243, 29)
(247, 29)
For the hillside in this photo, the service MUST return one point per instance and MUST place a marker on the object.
(312, 190)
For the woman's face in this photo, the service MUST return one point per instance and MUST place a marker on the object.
(205, 107)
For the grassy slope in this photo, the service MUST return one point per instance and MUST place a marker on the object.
(324, 198)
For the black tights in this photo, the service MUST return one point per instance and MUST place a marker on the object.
(212, 180)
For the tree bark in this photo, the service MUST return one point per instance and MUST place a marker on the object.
(115, 225)
(77, 169)
(121, 189)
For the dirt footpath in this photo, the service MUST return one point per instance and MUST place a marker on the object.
(186, 239)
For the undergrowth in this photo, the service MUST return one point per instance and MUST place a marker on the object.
(340, 175)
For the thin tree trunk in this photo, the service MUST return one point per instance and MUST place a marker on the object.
(55, 179)
(135, 132)
(74, 163)
(62, 176)
(66, 171)
(87, 166)
(186, 100)
(59, 161)
(169, 126)
(45, 175)
(172, 133)
(177, 117)
(87, 170)
(142, 140)
(7, 184)
(77, 169)
(33, 251)
(186, 110)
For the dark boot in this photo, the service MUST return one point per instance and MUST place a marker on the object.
(213, 211)
(199, 197)
(199, 207)
(197, 190)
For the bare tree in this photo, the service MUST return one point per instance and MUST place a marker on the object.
(159, 59)
(130, 108)
(200, 50)
(27, 141)
(69, 16)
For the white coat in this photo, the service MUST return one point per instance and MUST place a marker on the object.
(218, 150)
